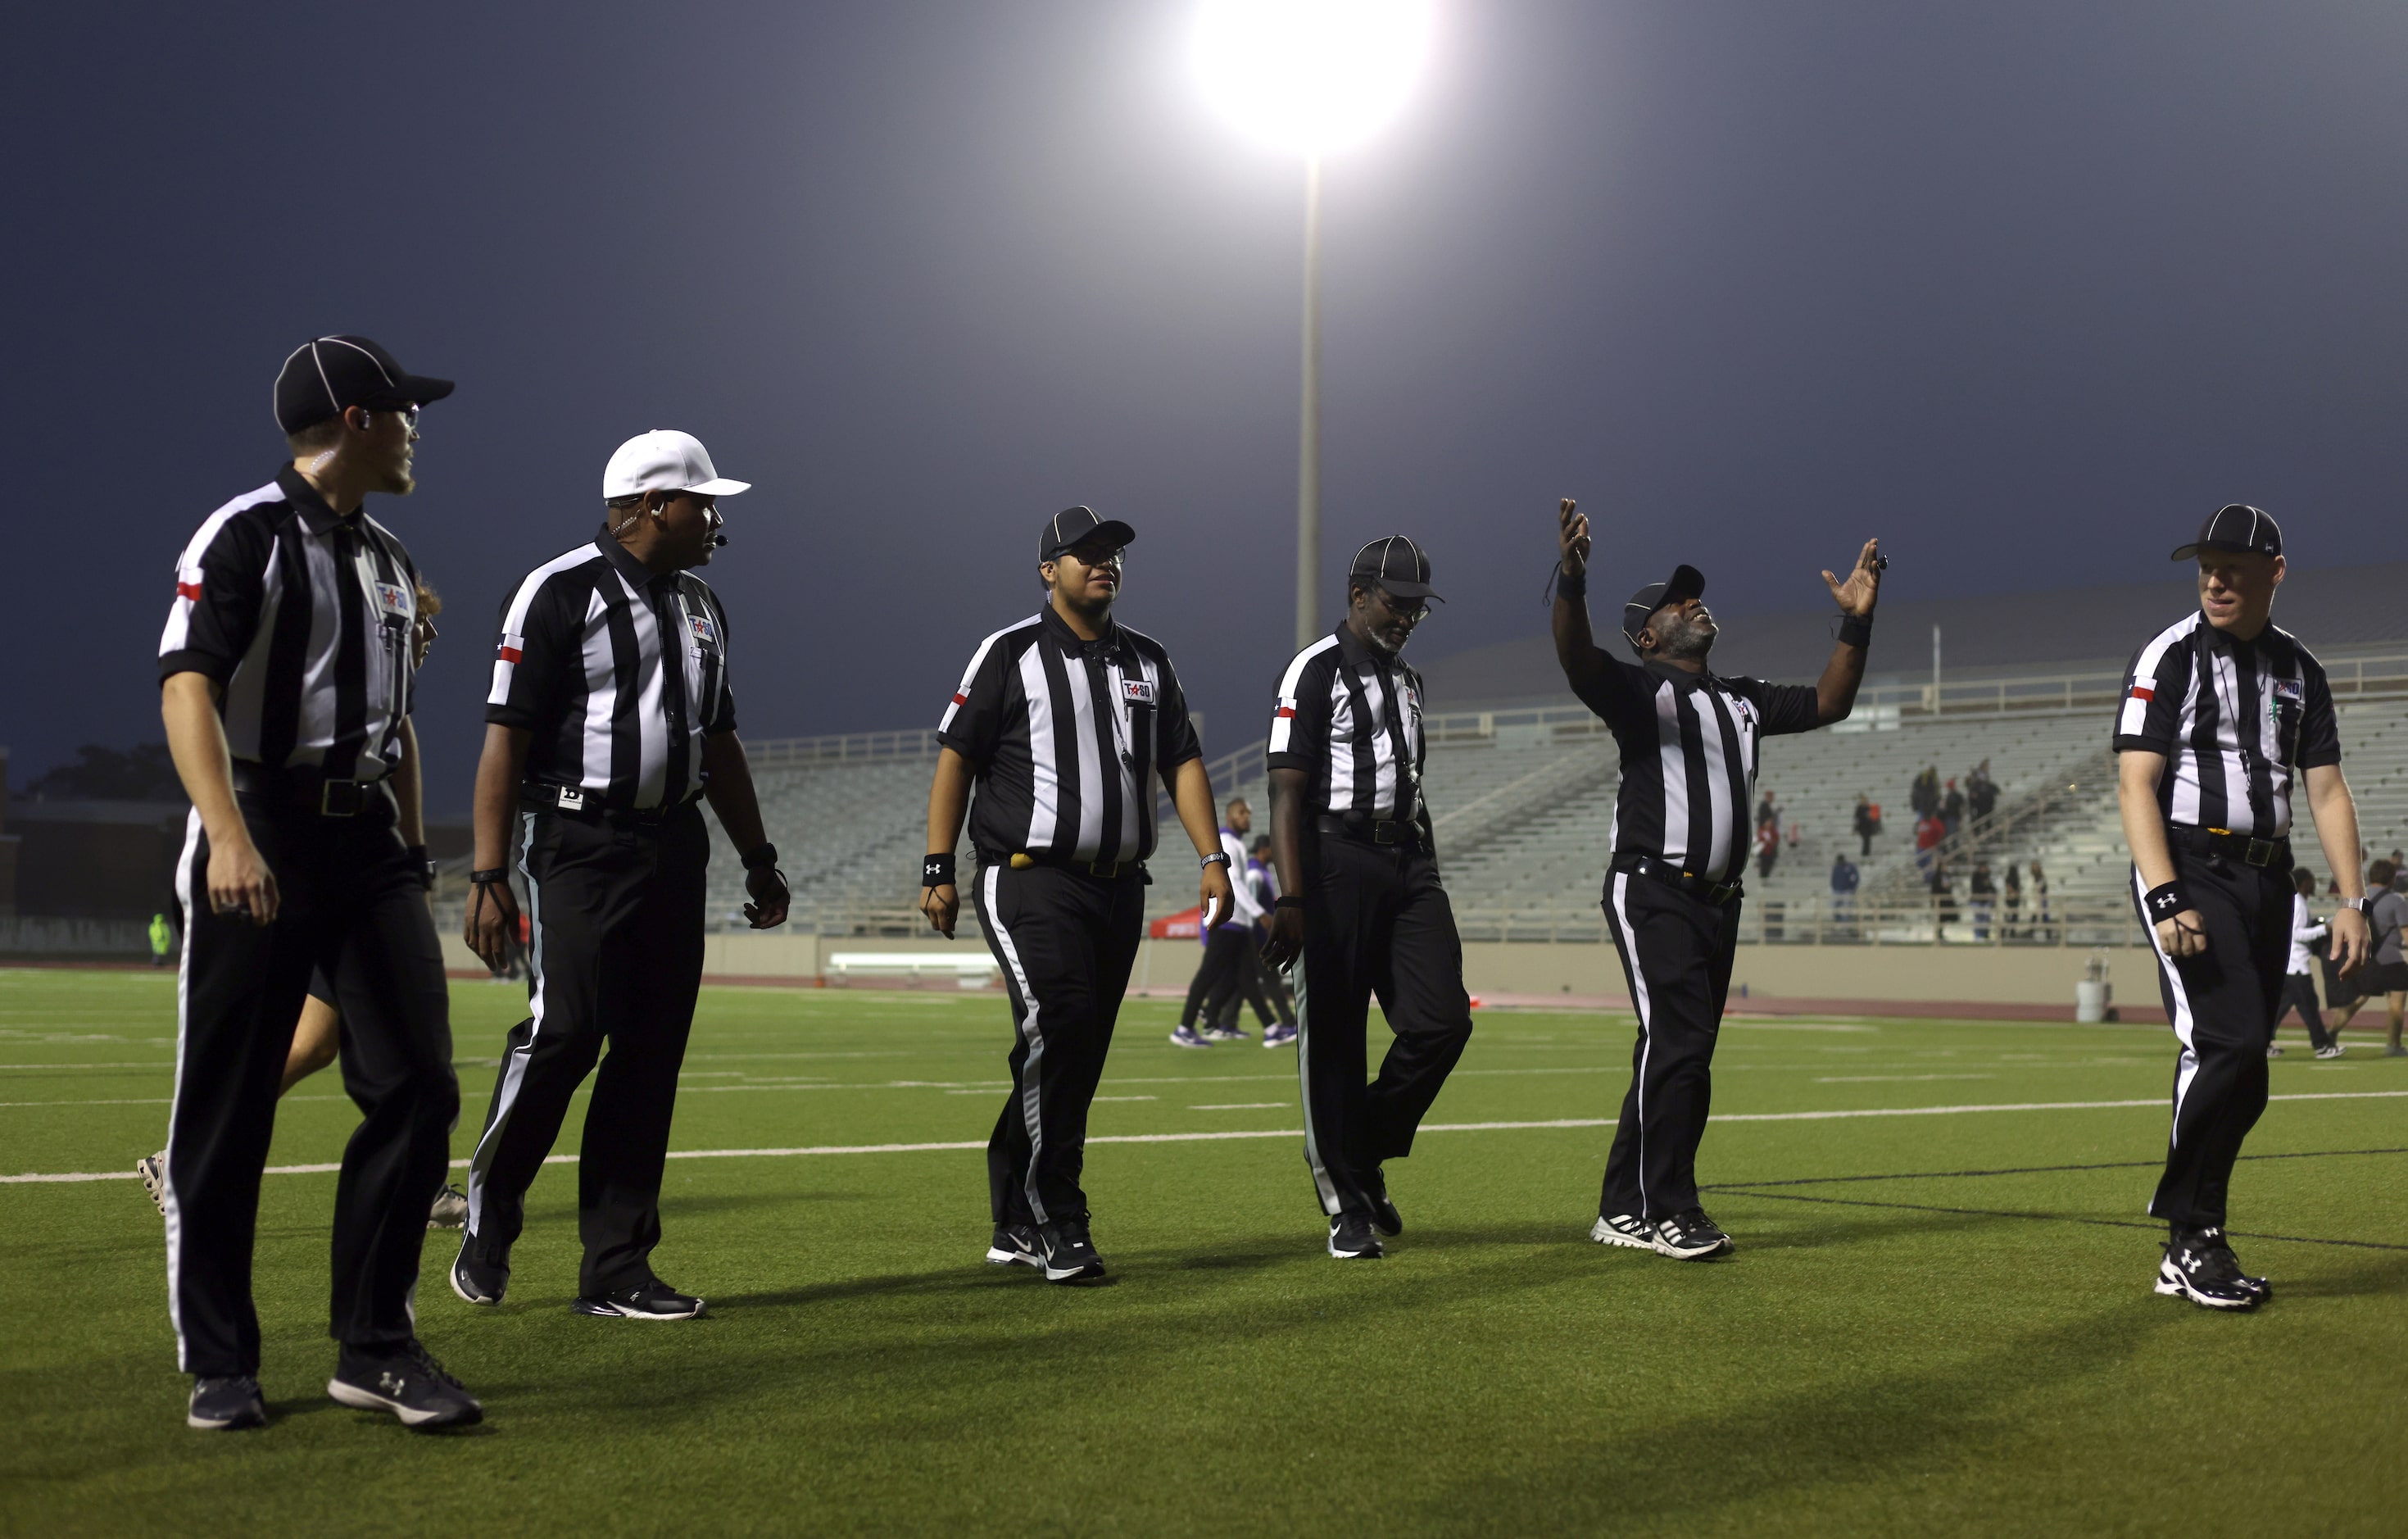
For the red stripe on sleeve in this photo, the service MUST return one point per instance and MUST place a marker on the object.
(508, 654)
(189, 590)
(961, 699)
(2142, 692)
(1285, 711)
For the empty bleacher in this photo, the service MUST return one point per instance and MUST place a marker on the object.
(1524, 801)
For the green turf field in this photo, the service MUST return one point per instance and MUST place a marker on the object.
(1934, 1323)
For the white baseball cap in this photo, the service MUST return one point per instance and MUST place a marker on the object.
(664, 460)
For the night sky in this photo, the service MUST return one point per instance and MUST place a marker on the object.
(2025, 289)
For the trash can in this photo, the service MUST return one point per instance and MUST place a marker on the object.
(2090, 998)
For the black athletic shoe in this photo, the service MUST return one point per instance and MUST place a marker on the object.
(650, 1301)
(1016, 1242)
(1628, 1231)
(1351, 1238)
(1069, 1253)
(406, 1381)
(478, 1280)
(1384, 1216)
(225, 1404)
(1691, 1236)
(2200, 1267)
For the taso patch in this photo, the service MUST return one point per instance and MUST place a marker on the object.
(1137, 691)
(2291, 691)
(700, 626)
(392, 597)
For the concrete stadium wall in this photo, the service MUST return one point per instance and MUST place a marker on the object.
(1969, 975)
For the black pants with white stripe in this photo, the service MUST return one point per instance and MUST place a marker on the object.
(1376, 922)
(353, 905)
(2222, 1004)
(615, 935)
(1218, 974)
(1676, 954)
(1066, 942)
(2300, 994)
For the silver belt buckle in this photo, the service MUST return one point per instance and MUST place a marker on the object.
(571, 799)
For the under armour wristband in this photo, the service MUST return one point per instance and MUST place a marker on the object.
(1218, 858)
(1289, 900)
(936, 871)
(1856, 630)
(2164, 902)
(761, 855)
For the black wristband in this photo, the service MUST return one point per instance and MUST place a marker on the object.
(1855, 630)
(763, 853)
(499, 876)
(1287, 900)
(1218, 858)
(2163, 903)
(936, 871)
(1572, 584)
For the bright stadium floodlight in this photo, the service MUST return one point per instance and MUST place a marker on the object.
(1311, 76)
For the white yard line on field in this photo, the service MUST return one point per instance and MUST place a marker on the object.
(2157, 1101)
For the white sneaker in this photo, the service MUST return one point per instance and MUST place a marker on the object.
(153, 1169)
(2334, 1051)
(1625, 1230)
(2274, 1052)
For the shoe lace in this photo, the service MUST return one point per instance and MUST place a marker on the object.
(416, 1352)
(1072, 1232)
(2214, 1261)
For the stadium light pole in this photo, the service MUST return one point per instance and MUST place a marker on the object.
(1311, 76)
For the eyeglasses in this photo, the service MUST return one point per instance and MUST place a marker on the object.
(1412, 612)
(406, 410)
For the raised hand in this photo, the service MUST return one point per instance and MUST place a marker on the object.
(1856, 596)
(1572, 539)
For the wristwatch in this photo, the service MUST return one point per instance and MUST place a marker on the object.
(2363, 905)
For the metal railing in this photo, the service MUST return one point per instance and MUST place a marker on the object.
(1836, 921)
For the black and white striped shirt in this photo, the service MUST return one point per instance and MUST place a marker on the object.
(1688, 744)
(579, 665)
(303, 617)
(1066, 737)
(1350, 717)
(2236, 721)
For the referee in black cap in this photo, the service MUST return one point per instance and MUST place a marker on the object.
(2222, 712)
(1688, 739)
(1063, 723)
(1361, 910)
(286, 673)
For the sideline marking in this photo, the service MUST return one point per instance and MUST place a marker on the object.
(1289, 1132)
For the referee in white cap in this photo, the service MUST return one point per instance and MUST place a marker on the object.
(610, 717)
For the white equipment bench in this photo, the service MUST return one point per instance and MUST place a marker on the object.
(968, 970)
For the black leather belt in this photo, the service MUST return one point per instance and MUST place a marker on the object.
(308, 788)
(573, 801)
(1654, 870)
(1388, 831)
(1108, 870)
(2274, 853)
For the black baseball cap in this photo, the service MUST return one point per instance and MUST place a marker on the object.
(1684, 582)
(2236, 527)
(1395, 564)
(1076, 527)
(326, 376)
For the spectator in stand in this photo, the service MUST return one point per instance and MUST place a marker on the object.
(2040, 931)
(1927, 835)
(1944, 899)
(1846, 879)
(1982, 792)
(1767, 812)
(2388, 975)
(1983, 894)
(1867, 824)
(1952, 808)
(2298, 979)
(2012, 903)
(1924, 795)
(1767, 847)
